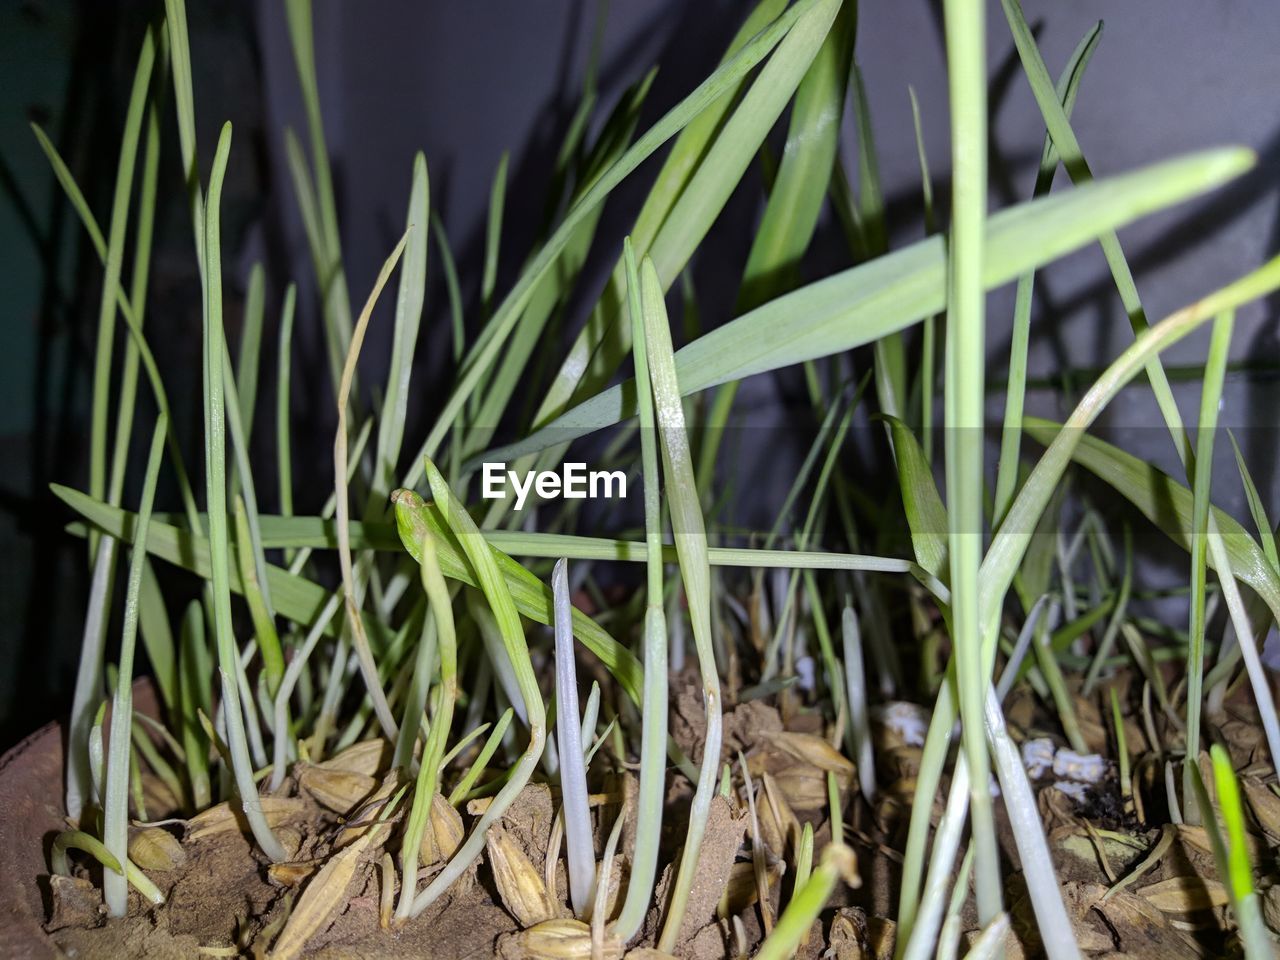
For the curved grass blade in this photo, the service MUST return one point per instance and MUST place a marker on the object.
(368, 667)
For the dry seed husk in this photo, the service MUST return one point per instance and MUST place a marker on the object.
(558, 940)
(221, 819)
(368, 812)
(805, 748)
(321, 899)
(521, 889)
(369, 757)
(444, 833)
(1189, 894)
(741, 890)
(336, 789)
(1265, 806)
(292, 872)
(153, 848)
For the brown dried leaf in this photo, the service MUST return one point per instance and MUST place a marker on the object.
(368, 758)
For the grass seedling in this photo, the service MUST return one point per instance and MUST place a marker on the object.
(375, 689)
(837, 863)
(494, 586)
(691, 550)
(573, 770)
(115, 829)
(441, 612)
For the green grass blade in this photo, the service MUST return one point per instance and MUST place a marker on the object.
(115, 830)
(1015, 393)
(926, 513)
(441, 611)
(247, 361)
(284, 379)
(654, 733)
(860, 305)
(409, 301)
(1077, 168)
(710, 90)
(118, 226)
(1258, 942)
(1266, 532)
(691, 549)
(1011, 540)
(964, 394)
(368, 668)
(1210, 398)
(216, 491)
(494, 585)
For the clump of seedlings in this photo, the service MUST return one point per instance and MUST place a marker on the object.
(368, 734)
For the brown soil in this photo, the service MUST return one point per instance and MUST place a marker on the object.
(224, 899)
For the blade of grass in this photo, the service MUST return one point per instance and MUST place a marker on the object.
(1015, 393)
(964, 393)
(691, 549)
(653, 738)
(115, 829)
(580, 859)
(409, 302)
(1210, 399)
(494, 585)
(368, 667)
(441, 611)
(802, 20)
(216, 489)
(892, 292)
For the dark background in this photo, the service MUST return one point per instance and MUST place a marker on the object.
(464, 80)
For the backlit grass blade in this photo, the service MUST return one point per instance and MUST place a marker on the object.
(1233, 860)
(368, 667)
(1015, 392)
(216, 491)
(115, 830)
(861, 304)
(691, 549)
